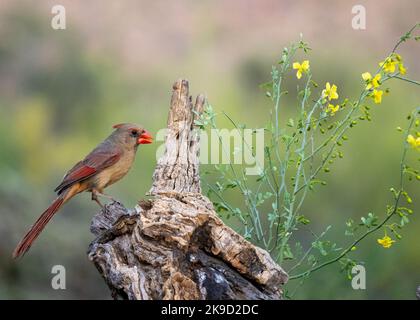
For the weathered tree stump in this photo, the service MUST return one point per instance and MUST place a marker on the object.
(174, 246)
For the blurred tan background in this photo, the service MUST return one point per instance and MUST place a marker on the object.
(62, 90)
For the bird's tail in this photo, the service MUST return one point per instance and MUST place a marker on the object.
(39, 225)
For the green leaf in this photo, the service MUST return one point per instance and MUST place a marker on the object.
(232, 184)
(404, 221)
(370, 221)
(320, 246)
(237, 211)
(221, 207)
(312, 261)
(291, 123)
(287, 253)
(303, 220)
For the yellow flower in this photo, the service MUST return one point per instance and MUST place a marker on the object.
(397, 57)
(301, 67)
(388, 65)
(377, 95)
(401, 68)
(391, 62)
(386, 242)
(371, 82)
(413, 142)
(330, 91)
(332, 109)
(367, 76)
(399, 61)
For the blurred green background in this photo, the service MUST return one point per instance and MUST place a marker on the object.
(62, 90)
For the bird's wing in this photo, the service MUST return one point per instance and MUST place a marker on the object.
(95, 162)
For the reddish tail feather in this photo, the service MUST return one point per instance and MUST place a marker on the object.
(37, 228)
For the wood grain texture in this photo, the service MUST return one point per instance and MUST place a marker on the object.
(178, 169)
(174, 246)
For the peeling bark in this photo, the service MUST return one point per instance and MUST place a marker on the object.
(174, 246)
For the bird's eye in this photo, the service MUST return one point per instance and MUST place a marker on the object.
(134, 133)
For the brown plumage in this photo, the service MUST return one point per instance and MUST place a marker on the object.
(105, 165)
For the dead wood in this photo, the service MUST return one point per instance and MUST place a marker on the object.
(174, 246)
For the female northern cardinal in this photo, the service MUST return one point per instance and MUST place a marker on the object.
(105, 165)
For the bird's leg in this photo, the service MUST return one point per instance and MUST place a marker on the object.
(95, 198)
(99, 193)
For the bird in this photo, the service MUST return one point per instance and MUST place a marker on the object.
(106, 164)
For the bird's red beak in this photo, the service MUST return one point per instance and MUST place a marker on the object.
(145, 138)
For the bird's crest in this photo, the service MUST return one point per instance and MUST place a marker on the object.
(118, 125)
